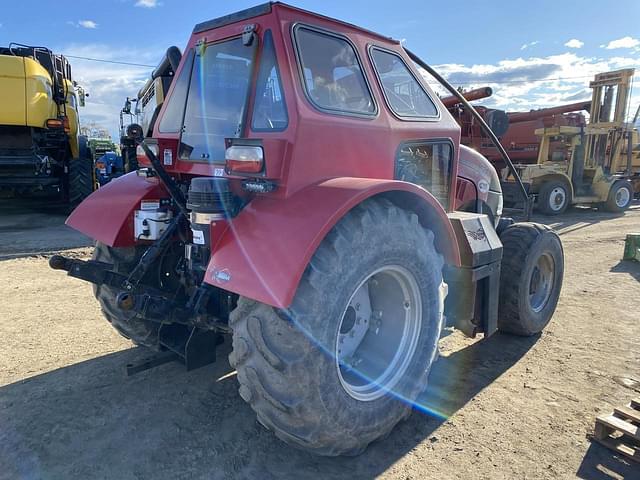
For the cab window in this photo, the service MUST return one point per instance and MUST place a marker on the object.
(331, 73)
(404, 94)
(173, 115)
(217, 99)
(270, 110)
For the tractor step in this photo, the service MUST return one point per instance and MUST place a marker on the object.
(620, 431)
(192, 347)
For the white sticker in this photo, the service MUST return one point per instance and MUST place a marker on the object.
(483, 186)
(149, 204)
(222, 276)
(198, 236)
(168, 156)
(218, 172)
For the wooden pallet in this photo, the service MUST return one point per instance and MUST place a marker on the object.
(620, 431)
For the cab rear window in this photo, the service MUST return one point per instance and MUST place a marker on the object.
(217, 100)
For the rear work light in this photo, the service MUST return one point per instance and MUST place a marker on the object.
(244, 156)
(54, 123)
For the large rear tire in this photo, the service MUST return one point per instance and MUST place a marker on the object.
(531, 278)
(343, 365)
(141, 332)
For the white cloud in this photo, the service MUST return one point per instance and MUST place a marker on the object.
(147, 3)
(87, 24)
(90, 24)
(538, 82)
(624, 42)
(574, 43)
(530, 44)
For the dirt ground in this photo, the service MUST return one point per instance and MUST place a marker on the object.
(509, 407)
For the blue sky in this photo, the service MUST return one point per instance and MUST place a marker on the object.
(510, 45)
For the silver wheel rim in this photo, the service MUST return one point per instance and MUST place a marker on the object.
(622, 197)
(541, 282)
(557, 199)
(378, 333)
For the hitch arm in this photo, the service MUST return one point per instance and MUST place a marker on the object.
(90, 271)
(149, 302)
(98, 273)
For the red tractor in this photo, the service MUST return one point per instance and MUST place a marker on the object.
(301, 192)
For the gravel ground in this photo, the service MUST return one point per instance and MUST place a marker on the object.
(509, 407)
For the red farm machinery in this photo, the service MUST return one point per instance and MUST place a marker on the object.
(301, 191)
(516, 130)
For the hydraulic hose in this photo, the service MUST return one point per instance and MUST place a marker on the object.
(485, 128)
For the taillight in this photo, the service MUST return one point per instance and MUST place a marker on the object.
(152, 146)
(244, 159)
(65, 123)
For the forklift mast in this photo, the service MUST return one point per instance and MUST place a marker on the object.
(607, 132)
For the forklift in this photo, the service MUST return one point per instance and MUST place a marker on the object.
(597, 164)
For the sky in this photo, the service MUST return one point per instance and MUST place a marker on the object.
(533, 54)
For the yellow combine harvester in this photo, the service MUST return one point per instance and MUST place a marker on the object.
(41, 150)
(595, 165)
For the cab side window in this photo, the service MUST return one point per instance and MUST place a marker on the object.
(405, 96)
(332, 75)
(174, 114)
(270, 109)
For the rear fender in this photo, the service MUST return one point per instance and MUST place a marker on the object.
(265, 250)
(107, 214)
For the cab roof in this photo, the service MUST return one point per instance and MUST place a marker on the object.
(267, 8)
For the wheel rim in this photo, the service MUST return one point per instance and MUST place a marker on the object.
(557, 199)
(622, 197)
(378, 333)
(541, 282)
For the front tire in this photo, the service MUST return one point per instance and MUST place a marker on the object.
(336, 371)
(531, 278)
(554, 197)
(620, 196)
